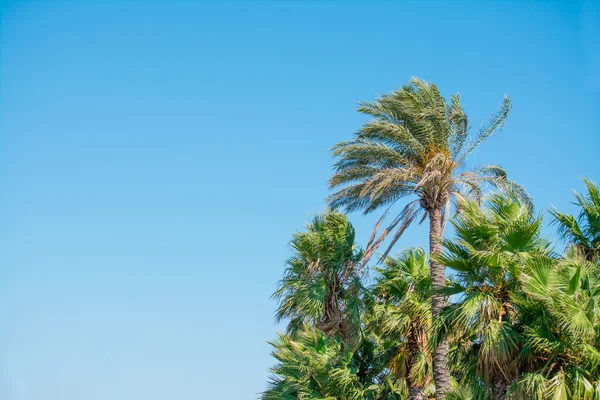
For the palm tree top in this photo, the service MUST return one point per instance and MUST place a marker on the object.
(416, 144)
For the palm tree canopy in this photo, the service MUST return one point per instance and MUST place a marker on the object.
(402, 294)
(491, 249)
(310, 366)
(321, 282)
(415, 144)
(526, 321)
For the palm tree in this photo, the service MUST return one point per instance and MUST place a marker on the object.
(561, 330)
(415, 145)
(310, 366)
(494, 248)
(326, 354)
(582, 231)
(401, 314)
(526, 323)
(321, 283)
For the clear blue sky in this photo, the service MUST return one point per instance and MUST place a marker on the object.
(156, 157)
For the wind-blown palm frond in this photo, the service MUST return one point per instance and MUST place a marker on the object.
(582, 231)
(494, 124)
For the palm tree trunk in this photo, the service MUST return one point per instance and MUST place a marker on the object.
(441, 373)
(416, 393)
(499, 389)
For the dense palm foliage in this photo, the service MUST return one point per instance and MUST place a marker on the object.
(524, 322)
(416, 145)
(312, 366)
(492, 251)
(401, 316)
(561, 335)
(325, 353)
(516, 319)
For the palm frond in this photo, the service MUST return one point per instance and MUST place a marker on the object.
(494, 124)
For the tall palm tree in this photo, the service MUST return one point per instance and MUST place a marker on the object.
(321, 283)
(582, 231)
(415, 145)
(401, 314)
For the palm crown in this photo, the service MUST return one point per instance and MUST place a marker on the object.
(416, 144)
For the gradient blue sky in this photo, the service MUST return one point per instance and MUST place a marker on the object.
(156, 157)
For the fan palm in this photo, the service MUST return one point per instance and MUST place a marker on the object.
(561, 330)
(491, 250)
(582, 231)
(401, 314)
(526, 323)
(310, 366)
(415, 145)
(321, 283)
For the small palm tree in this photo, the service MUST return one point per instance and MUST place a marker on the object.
(321, 285)
(415, 145)
(582, 231)
(401, 315)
